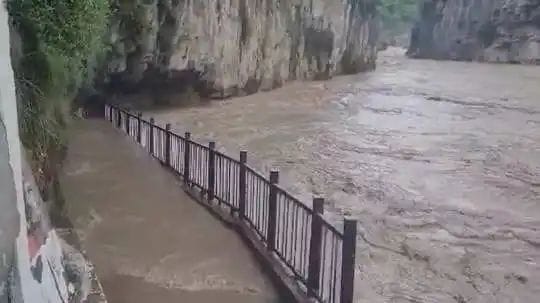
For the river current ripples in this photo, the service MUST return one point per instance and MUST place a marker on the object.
(438, 161)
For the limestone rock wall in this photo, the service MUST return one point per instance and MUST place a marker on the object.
(230, 47)
(481, 30)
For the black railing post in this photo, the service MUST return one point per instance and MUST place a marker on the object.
(119, 117)
(211, 170)
(314, 269)
(111, 113)
(348, 261)
(127, 122)
(168, 144)
(139, 115)
(242, 185)
(151, 136)
(187, 156)
(272, 210)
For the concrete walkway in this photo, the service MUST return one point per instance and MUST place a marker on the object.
(149, 241)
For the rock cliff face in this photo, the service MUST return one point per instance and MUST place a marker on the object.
(229, 47)
(482, 30)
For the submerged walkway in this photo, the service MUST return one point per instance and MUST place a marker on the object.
(149, 241)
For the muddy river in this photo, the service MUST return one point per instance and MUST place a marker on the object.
(438, 161)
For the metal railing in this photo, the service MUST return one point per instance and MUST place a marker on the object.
(319, 256)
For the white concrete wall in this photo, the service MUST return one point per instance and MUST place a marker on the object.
(38, 257)
(11, 198)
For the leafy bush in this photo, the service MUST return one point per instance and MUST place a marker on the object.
(61, 35)
(60, 42)
(397, 15)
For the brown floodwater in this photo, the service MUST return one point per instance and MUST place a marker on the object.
(438, 161)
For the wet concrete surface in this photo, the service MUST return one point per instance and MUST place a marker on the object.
(149, 241)
(439, 162)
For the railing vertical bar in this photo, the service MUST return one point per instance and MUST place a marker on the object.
(323, 263)
(199, 166)
(202, 174)
(248, 196)
(255, 202)
(261, 190)
(151, 134)
(198, 171)
(235, 186)
(221, 181)
(260, 199)
(331, 270)
(261, 206)
(148, 129)
(301, 260)
(280, 225)
(204, 169)
(179, 156)
(335, 269)
(159, 143)
(295, 238)
(307, 228)
(229, 187)
(187, 157)
(252, 202)
(196, 165)
(290, 232)
(168, 144)
(224, 179)
(266, 188)
(348, 261)
(119, 120)
(195, 161)
(286, 231)
(164, 146)
(127, 122)
(211, 170)
(282, 220)
(315, 247)
(139, 115)
(271, 232)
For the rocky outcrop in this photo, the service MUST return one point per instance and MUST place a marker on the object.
(481, 30)
(229, 47)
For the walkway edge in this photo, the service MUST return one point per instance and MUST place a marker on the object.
(321, 270)
(287, 286)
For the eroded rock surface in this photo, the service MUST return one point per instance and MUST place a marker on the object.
(483, 30)
(224, 48)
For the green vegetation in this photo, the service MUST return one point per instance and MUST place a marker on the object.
(60, 43)
(397, 16)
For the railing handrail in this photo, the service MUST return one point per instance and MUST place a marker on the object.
(271, 213)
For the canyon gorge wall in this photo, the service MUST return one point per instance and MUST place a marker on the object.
(505, 31)
(235, 47)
